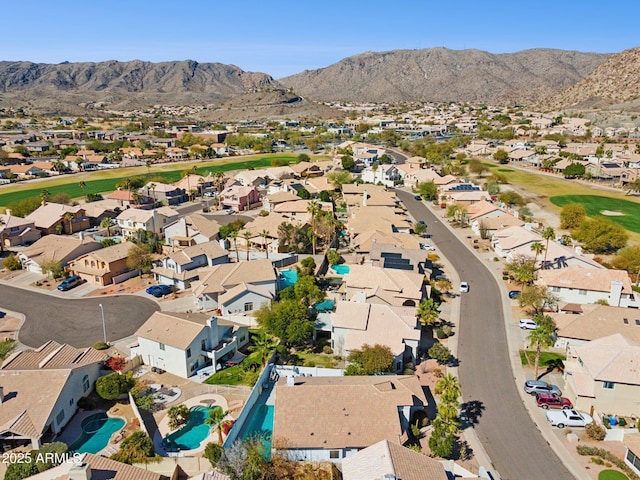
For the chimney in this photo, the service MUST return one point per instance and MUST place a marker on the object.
(616, 293)
(80, 472)
(1, 395)
(81, 235)
(291, 380)
(8, 212)
(364, 198)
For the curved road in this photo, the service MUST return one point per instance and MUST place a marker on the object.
(505, 429)
(77, 322)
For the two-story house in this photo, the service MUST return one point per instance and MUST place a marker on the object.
(183, 343)
(58, 218)
(105, 266)
(239, 198)
(181, 267)
(133, 219)
(16, 230)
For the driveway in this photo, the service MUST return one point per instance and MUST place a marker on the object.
(77, 322)
(505, 429)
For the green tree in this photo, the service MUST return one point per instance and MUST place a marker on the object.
(512, 198)
(572, 215)
(547, 234)
(304, 194)
(370, 359)
(428, 190)
(287, 320)
(213, 452)
(139, 258)
(247, 236)
(541, 337)
(537, 248)
(265, 234)
(536, 298)
(627, 258)
(83, 187)
(313, 208)
(53, 268)
(337, 179)
(69, 216)
(600, 235)
(12, 263)
(522, 269)
(348, 163)
(574, 170)
(234, 238)
(307, 291)
(428, 312)
(440, 353)
(501, 156)
(178, 416)
(448, 387)
(333, 257)
(216, 418)
(303, 157)
(107, 223)
(136, 448)
(477, 167)
(6, 347)
(112, 385)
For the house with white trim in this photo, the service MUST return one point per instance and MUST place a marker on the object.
(181, 267)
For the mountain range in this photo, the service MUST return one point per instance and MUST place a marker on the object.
(544, 77)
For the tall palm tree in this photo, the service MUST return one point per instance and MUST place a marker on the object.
(537, 248)
(69, 216)
(152, 187)
(234, 236)
(449, 388)
(107, 223)
(313, 208)
(216, 417)
(548, 233)
(44, 196)
(264, 234)
(83, 187)
(3, 226)
(428, 312)
(148, 165)
(219, 180)
(264, 344)
(541, 337)
(247, 235)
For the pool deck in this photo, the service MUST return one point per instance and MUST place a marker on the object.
(73, 429)
(206, 400)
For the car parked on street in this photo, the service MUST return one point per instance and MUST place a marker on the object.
(538, 386)
(527, 324)
(568, 418)
(464, 287)
(427, 247)
(418, 197)
(159, 290)
(69, 283)
(514, 294)
(551, 400)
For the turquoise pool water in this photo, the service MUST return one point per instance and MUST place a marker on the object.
(192, 434)
(325, 305)
(261, 425)
(288, 278)
(96, 432)
(340, 269)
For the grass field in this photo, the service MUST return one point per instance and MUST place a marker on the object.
(612, 475)
(595, 205)
(528, 357)
(106, 180)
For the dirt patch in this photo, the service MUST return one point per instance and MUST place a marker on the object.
(9, 327)
(611, 213)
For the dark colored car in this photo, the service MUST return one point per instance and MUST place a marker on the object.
(551, 400)
(69, 283)
(418, 197)
(514, 293)
(159, 290)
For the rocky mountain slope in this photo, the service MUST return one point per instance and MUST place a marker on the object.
(440, 74)
(613, 82)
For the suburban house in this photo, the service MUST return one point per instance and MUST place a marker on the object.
(368, 409)
(183, 343)
(40, 389)
(257, 281)
(190, 230)
(602, 375)
(595, 321)
(386, 286)
(164, 193)
(181, 267)
(387, 175)
(127, 198)
(580, 285)
(58, 218)
(390, 460)
(271, 201)
(386, 219)
(306, 169)
(16, 230)
(57, 248)
(364, 242)
(386, 255)
(239, 198)
(263, 233)
(299, 209)
(133, 219)
(105, 266)
(98, 467)
(632, 454)
(354, 324)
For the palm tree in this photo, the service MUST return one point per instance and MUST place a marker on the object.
(234, 236)
(201, 186)
(107, 223)
(44, 196)
(449, 388)
(83, 187)
(2, 234)
(428, 312)
(286, 234)
(541, 337)
(247, 235)
(148, 165)
(313, 208)
(264, 344)
(264, 234)
(537, 248)
(548, 233)
(69, 216)
(152, 187)
(216, 417)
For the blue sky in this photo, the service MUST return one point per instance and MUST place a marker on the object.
(286, 37)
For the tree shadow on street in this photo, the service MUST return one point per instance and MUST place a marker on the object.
(470, 413)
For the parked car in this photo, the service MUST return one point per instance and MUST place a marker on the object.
(69, 283)
(537, 386)
(464, 287)
(159, 290)
(551, 400)
(418, 197)
(568, 418)
(514, 293)
(527, 324)
(427, 247)
(210, 193)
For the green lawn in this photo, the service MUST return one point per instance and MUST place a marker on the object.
(595, 205)
(612, 475)
(237, 375)
(505, 170)
(106, 180)
(544, 357)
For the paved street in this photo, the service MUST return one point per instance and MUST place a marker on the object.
(505, 429)
(77, 322)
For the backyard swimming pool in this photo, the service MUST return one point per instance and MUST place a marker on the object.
(288, 278)
(340, 269)
(325, 305)
(193, 433)
(96, 432)
(261, 425)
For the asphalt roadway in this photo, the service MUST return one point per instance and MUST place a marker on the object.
(508, 434)
(77, 322)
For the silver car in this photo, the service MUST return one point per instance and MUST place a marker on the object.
(537, 386)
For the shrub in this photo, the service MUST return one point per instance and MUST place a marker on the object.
(595, 431)
(116, 363)
(12, 263)
(586, 450)
(415, 430)
(438, 373)
(440, 334)
(213, 453)
(178, 416)
(111, 386)
(597, 460)
(136, 448)
(447, 330)
(100, 346)
(309, 363)
(327, 350)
